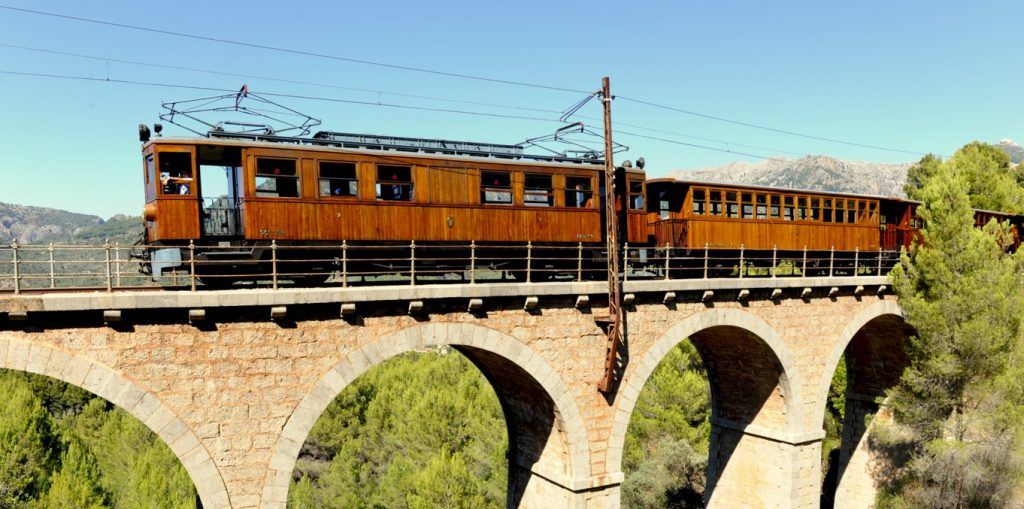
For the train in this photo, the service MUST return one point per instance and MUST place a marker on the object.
(227, 205)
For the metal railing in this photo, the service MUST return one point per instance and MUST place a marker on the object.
(111, 266)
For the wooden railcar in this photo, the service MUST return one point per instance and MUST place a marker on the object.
(695, 215)
(245, 192)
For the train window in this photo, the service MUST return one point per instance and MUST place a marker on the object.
(774, 200)
(715, 199)
(175, 172)
(801, 208)
(277, 178)
(748, 206)
(699, 205)
(636, 194)
(815, 209)
(851, 211)
(826, 210)
(873, 212)
(732, 207)
(787, 208)
(762, 206)
(538, 191)
(338, 179)
(394, 183)
(578, 192)
(840, 215)
(496, 187)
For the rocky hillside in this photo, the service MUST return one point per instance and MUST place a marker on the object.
(1012, 149)
(820, 173)
(31, 225)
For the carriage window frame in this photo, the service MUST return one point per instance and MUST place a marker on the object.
(732, 204)
(788, 207)
(828, 210)
(761, 206)
(277, 178)
(572, 195)
(496, 190)
(774, 206)
(351, 184)
(180, 184)
(715, 207)
(547, 191)
(815, 208)
(747, 205)
(803, 208)
(635, 198)
(700, 206)
(407, 187)
(851, 211)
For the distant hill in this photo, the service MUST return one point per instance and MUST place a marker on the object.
(818, 173)
(33, 225)
(1012, 149)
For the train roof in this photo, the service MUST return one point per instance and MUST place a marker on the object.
(805, 191)
(390, 145)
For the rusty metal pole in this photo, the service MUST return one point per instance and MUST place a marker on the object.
(612, 238)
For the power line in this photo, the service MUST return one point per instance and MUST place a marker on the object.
(380, 93)
(292, 51)
(767, 128)
(268, 78)
(274, 94)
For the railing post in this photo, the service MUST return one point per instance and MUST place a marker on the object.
(831, 259)
(856, 260)
(273, 261)
(192, 265)
(529, 260)
(53, 267)
(579, 262)
(472, 262)
(775, 259)
(17, 267)
(625, 261)
(344, 264)
(706, 260)
(879, 260)
(668, 259)
(741, 261)
(412, 263)
(110, 279)
(117, 264)
(803, 269)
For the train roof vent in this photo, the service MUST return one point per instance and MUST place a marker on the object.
(372, 141)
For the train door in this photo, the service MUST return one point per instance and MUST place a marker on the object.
(220, 172)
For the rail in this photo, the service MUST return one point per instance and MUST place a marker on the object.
(111, 266)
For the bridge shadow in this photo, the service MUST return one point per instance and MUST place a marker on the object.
(744, 376)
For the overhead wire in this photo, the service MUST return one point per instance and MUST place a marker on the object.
(291, 50)
(570, 111)
(454, 75)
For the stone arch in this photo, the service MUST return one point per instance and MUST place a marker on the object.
(880, 309)
(711, 319)
(507, 363)
(110, 385)
(873, 344)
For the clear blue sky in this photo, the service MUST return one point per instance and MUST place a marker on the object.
(924, 76)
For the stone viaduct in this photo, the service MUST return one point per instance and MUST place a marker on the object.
(234, 380)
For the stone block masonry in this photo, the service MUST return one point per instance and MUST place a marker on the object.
(236, 394)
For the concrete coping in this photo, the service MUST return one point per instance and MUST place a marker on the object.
(17, 305)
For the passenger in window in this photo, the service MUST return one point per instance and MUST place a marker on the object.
(580, 197)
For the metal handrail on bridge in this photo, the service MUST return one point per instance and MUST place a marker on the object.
(110, 266)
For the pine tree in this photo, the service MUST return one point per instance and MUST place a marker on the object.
(445, 483)
(25, 443)
(76, 485)
(960, 290)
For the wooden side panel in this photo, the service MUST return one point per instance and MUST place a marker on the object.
(784, 235)
(353, 221)
(636, 227)
(448, 186)
(176, 219)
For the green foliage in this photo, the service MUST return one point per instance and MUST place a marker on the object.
(990, 180)
(666, 447)
(960, 290)
(61, 447)
(74, 486)
(421, 430)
